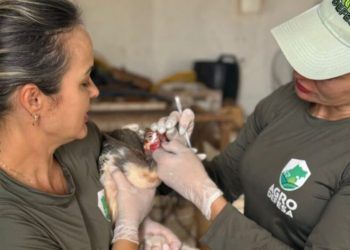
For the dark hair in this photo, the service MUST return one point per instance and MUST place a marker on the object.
(31, 45)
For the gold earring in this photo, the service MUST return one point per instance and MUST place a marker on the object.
(35, 119)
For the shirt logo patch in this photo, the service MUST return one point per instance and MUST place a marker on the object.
(346, 3)
(103, 205)
(294, 175)
(343, 9)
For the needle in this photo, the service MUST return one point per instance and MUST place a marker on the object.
(179, 108)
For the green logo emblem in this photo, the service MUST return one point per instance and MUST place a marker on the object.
(346, 3)
(294, 175)
(103, 205)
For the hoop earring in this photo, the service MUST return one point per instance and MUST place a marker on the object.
(35, 119)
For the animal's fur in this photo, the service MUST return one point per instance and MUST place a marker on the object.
(123, 149)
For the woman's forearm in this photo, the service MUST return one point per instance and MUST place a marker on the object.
(125, 245)
(217, 207)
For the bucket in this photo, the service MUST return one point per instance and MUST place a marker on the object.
(222, 74)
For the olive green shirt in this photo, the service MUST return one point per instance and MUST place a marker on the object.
(30, 219)
(294, 170)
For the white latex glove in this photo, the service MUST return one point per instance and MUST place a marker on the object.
(133, 206)
(186, 121)
(168, 124)
(158, 237)
(176, 125)
(179, 168)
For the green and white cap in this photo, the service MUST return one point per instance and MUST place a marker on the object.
(317, 42)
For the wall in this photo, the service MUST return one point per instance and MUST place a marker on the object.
(157, 38)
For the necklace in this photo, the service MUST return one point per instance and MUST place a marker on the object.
(16, 174)
(24, 179)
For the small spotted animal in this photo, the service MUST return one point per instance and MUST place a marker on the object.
(123, 149)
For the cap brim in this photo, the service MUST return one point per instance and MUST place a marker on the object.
(310, 47)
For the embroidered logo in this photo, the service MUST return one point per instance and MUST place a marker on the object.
(346, 3)
(102, 204)
(281, 200)
(343, 9)
(294, 175)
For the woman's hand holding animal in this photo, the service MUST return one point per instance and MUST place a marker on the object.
(133, 206)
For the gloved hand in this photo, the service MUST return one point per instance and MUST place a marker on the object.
(168, 124)
(185, 123)
(180, 169)
(133, 206)
(156, 236)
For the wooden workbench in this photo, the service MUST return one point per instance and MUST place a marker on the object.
(228, 119)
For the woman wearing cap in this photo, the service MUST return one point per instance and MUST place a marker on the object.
(49, 179)
(292, 158)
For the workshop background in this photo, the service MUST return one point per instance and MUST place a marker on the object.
(157, 38)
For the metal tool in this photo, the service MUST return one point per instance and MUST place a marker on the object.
(179, 108)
